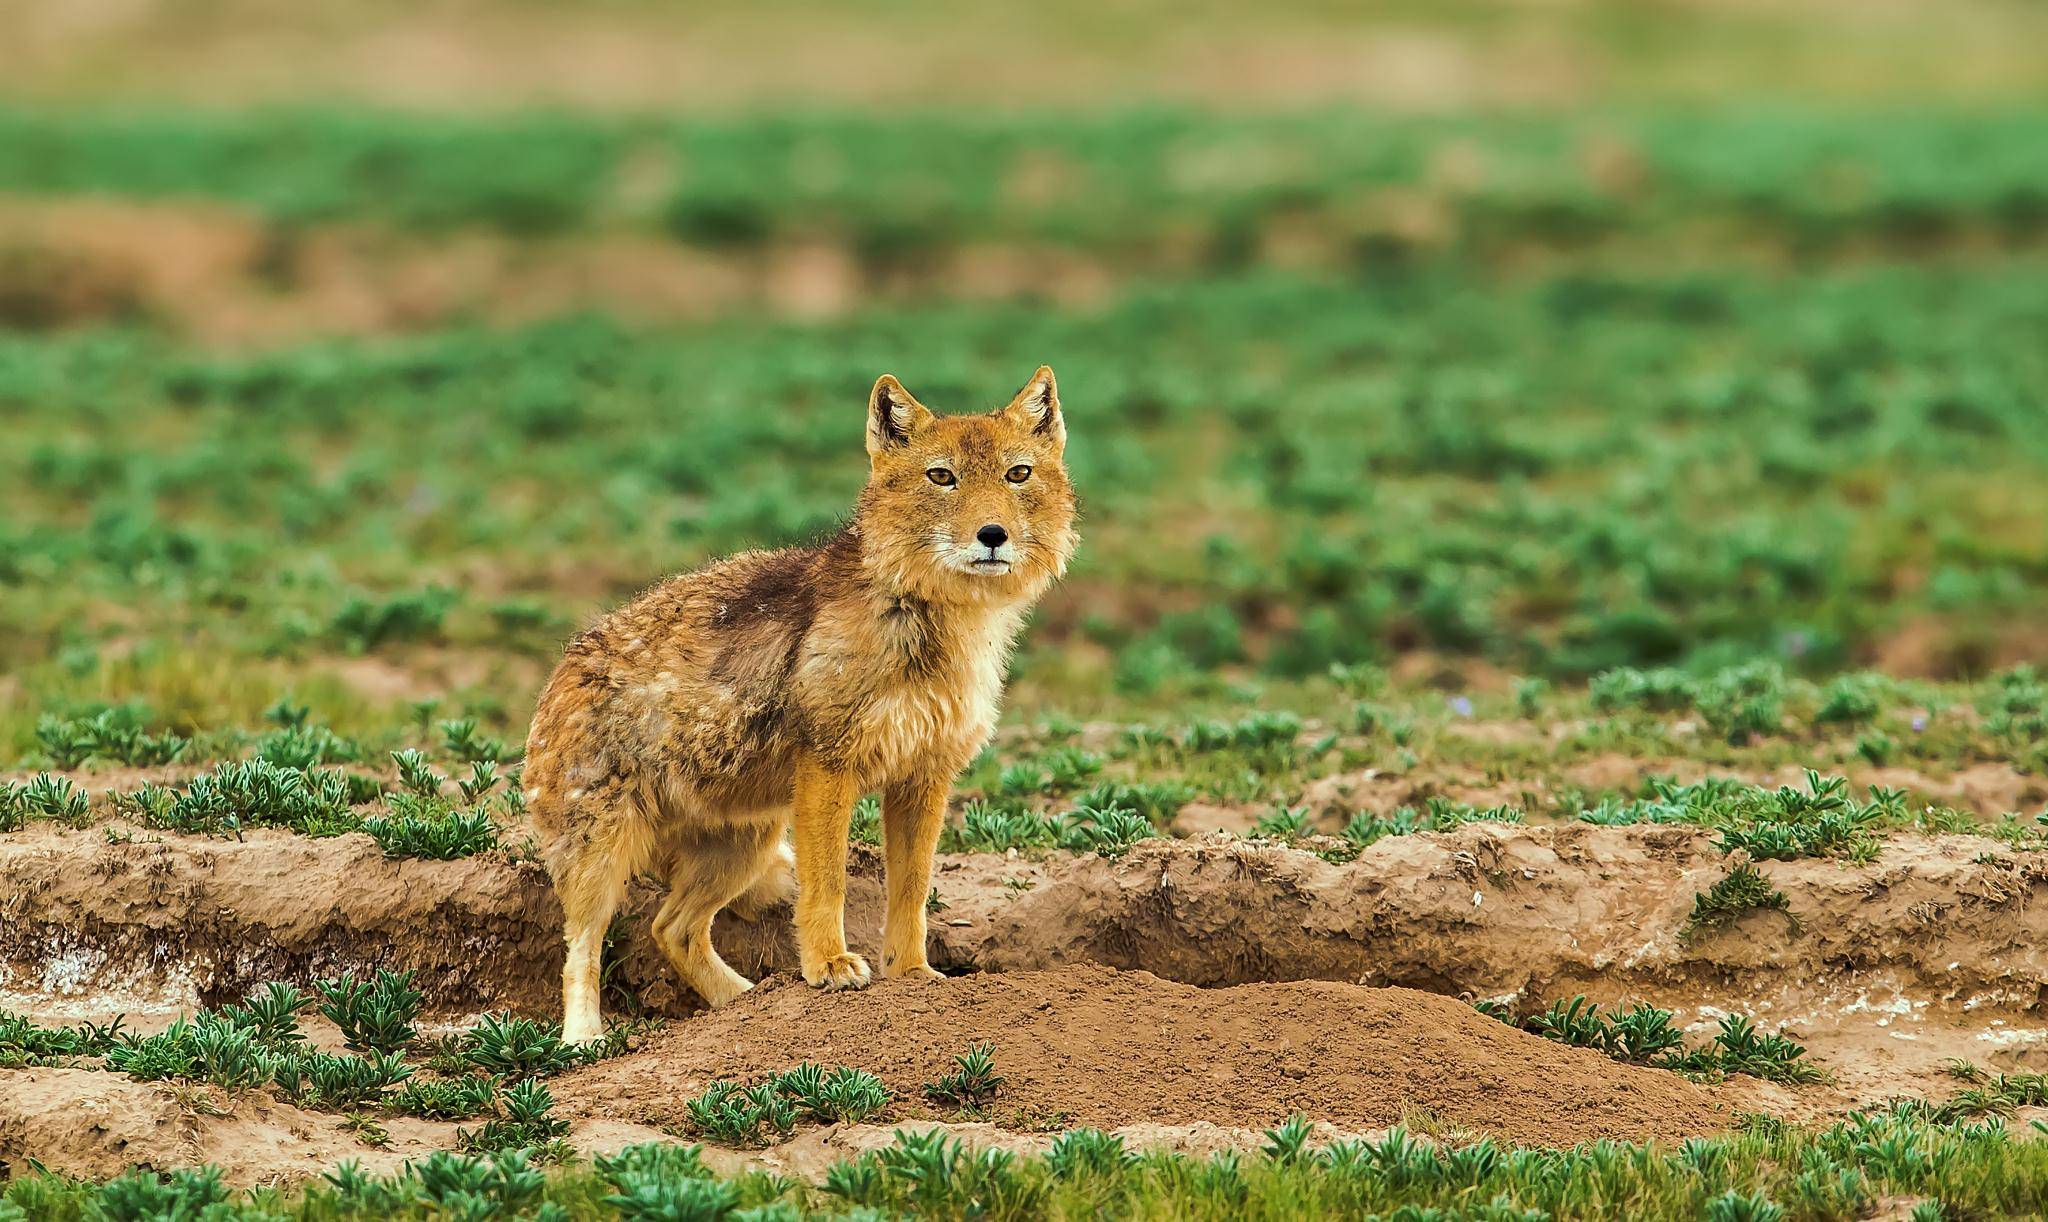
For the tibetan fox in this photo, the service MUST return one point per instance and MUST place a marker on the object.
(692, 729)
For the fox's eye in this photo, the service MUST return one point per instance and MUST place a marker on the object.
(940, 476)
(1017, 474)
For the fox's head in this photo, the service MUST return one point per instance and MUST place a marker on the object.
(970, 508)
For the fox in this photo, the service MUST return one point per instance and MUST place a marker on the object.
(717, 730)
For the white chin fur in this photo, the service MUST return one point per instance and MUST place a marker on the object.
(964, 560)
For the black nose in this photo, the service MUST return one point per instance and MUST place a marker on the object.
(992, 535)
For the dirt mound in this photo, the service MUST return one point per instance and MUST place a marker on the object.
(1094, 1046)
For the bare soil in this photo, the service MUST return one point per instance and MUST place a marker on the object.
(88, 1122)
(224, 276)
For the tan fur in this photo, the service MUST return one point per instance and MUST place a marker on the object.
(686, 732)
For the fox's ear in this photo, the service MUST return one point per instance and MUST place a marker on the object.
(1037, 407)
(892, 415)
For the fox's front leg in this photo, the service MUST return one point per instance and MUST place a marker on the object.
(823, 802)
(913, 811)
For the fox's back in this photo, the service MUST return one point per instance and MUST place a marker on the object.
(688, 681)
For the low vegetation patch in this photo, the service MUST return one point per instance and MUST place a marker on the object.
(1766, 1170)
(1643, 1034)
(736, 1115)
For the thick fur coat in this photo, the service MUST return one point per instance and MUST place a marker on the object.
(733, 714)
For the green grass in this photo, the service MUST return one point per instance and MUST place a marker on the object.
(1701, 471)
(1767, 1170)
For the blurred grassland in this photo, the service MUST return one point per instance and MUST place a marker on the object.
(1564, 475)
(1553, 338)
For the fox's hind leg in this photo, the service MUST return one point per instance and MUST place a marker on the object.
(709, 867)
(591, 863)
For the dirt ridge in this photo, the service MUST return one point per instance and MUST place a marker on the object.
(1487, 910)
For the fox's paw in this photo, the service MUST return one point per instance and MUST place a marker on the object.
(718, 994)
(842, 971)
(911, 971)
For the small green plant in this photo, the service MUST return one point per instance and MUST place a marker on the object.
(517, 1048)
(150, 1058)
(363, 624)
(1741, 1048)
(1282, 823)
(438, 835)
(302, 745)
(971, 1084)
(1641, 1033)
(366, 1128)
(1158, 801)
(1289, 1142)
(1022, 780)
(466, 743)
(320, 1079)
(1852, 699)
(374, 1014)
(483, 777)
(866, 825)
(1079, 1152)
(988, 829)
(741, 1116)
(112, 734)
(830, 1097)
(1365, 827)
(141, 1196)
(417, 773)
(1778, 824)
(250, 793)
(528, 1123)
(1106, 831)
(1438, 814)
(1743, 891)
(1644, 1034)
(227, 1055)
(272, 1015)
(445, 1099)
(1069, 768)
(1577, 1021)
(22, 1042)
(504, 1184)
(42, 796)
(644, 1198)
